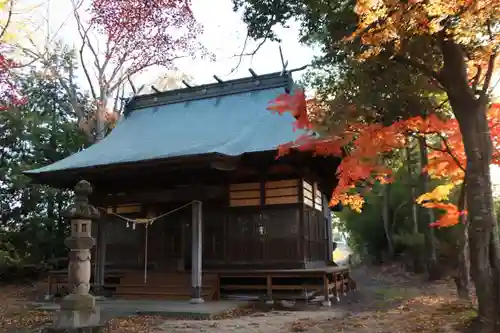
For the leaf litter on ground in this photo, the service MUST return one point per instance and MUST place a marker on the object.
(388, 300)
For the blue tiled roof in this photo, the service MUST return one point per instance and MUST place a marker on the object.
(232, 124)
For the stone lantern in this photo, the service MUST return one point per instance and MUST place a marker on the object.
(78, 309)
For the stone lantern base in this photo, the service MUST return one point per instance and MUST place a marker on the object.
(77, 318)
(78, 314)
(73, 321)
(93, 329)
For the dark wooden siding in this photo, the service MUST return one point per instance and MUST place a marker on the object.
(214, 232)
(267, 234)
(282, 234)
(245, 244)
(263, 237)
(122, 244)
(314, 234)
(259, 237)
(165, 240)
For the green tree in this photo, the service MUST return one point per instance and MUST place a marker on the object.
(39, 132)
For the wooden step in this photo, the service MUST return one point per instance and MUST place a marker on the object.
(161, 296)
(163, 286)
(163, 281)
(160, 289)
(153, 273)
(274, 287)
(166, 276)
(156, 273)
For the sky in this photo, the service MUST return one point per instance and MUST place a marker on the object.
(224, 35)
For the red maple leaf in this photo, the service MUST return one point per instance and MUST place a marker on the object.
(145, 33)
(9, 93)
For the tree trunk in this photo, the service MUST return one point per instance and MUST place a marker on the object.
(386, 219)
(462, 246)
(100, 123)
(484, 249)
(429, 239)
(483, 230)
(414, 208)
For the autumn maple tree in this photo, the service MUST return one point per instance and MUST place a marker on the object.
(464, 35)
(119, 40)
(9, 94)
(362, 145)
(461, 39)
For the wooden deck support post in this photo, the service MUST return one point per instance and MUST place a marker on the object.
(196, 260)
(326, 283)
(269, 289)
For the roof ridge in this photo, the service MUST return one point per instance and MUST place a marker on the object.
(211, 90)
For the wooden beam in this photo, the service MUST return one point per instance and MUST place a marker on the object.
(159, 196)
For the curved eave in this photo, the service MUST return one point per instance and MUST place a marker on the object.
(67, 178)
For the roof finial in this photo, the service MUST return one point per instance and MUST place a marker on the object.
(218, 79)
(252, 72)
(184, 82)
(284, 63)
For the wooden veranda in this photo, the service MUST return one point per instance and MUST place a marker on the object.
(276, 284)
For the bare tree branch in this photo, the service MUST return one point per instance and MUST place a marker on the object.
(131, 72)
(251, 54)
(83, 34)
(450, 152)
(489, 74)
(134, 90)
(419, 66)
(477, 78)
(117, 99)
(9, 19)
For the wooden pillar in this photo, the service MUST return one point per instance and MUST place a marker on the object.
(101, 255)
(301, 241)
(328, 230)
(196, 253)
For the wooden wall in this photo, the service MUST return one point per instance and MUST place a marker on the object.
(279, 192)
(266, 224)
(314, 235)
(264, 237)
(275, 223)
(123, 245)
